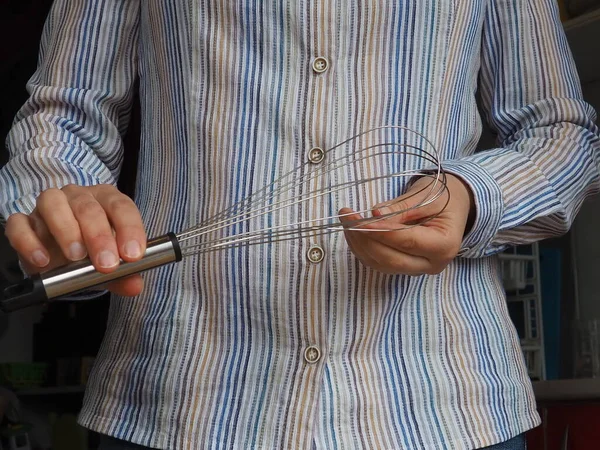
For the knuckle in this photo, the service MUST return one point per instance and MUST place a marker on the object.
(103, 190)
(120, 203)
(107, 187)
(49, 196)
(80, 197)
(64, 230)
(130, 231)
(70, 188)
(14, 227)
(101, 239)
(11, 222)
(397, 208)
(86, 207)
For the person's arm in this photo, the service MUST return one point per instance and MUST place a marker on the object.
(57, 192)
(69, 130)
(531, 187)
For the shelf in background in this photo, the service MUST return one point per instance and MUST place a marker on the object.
(517, 257)
(576, 389)
(582, 20)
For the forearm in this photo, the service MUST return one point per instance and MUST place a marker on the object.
(69, 131)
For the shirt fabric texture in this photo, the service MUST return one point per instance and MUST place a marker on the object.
(211, 355)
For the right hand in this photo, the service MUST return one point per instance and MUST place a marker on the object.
(71, 223)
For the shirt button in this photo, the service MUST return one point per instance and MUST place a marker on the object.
(315, 254)
(316, 155)
(312, 354)
(320, 64)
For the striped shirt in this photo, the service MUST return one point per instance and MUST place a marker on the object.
(212, 354)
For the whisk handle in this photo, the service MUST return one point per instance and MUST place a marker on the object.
(81, 275)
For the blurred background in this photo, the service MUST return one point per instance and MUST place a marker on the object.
(46, 353)
(553, 288)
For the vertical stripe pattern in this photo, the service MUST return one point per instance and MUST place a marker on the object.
(212, 354)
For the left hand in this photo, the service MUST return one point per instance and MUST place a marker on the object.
(423, 249)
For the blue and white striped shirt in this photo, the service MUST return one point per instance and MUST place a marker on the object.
(211, 355)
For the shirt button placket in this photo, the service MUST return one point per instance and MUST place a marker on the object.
(315, 254)
(316, 155)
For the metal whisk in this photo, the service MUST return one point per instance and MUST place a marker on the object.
(369, 169)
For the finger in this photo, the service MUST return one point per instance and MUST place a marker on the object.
(350, 218)
(54, 209)
(25, 241)
(126, 220)
(378, 255)
(358, 251)
(387, 259)
(95, 229)
(353, 244)
(433, 243)
(127, 287)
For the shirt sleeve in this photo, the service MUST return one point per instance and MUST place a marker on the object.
(70, 129)
(532, 186)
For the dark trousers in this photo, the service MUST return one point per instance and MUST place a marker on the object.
(108, 443)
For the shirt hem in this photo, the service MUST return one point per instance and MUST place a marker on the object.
(105, 425)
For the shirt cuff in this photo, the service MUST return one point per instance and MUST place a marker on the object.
(489, 207)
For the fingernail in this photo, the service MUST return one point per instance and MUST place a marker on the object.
(133, 249)
(77, 251)
(107, 259)
(40, 259)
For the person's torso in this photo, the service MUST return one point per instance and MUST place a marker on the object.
(258, 346)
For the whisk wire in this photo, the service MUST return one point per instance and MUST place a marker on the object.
(358, 173)
(275, 187)
(236, 214)
(280, 234)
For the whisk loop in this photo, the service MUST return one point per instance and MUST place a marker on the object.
(371, 166)
(370, 169)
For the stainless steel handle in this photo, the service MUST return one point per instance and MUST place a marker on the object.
(82, 275)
